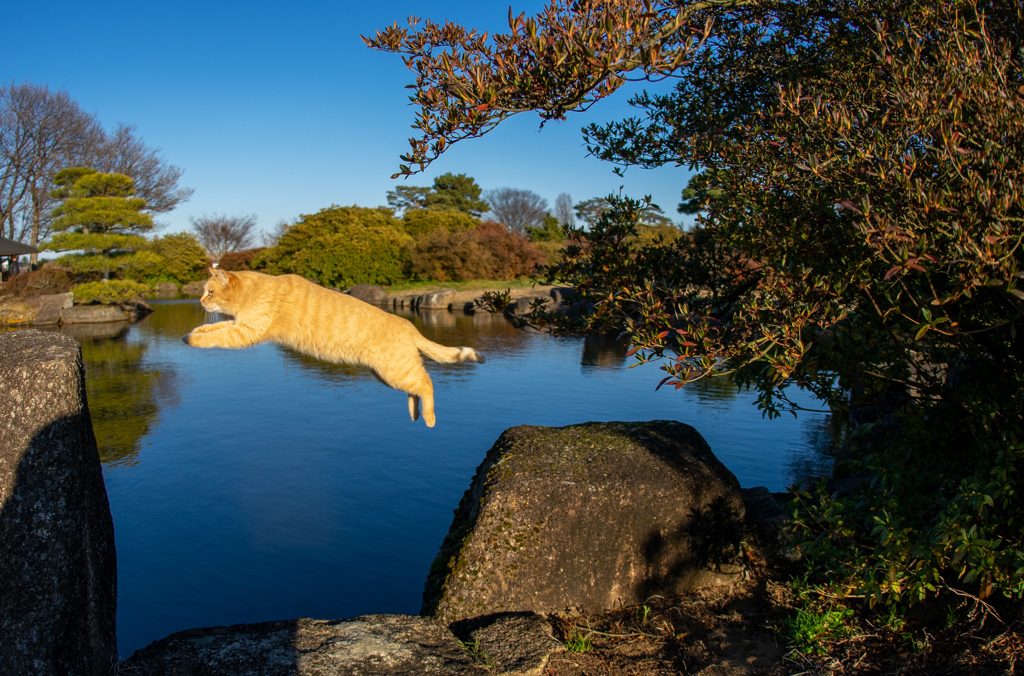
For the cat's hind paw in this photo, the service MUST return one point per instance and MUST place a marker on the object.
(469, 354)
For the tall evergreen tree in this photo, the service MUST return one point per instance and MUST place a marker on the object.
(98, 215)
(457, 192)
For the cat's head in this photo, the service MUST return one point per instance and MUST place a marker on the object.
(221, 292)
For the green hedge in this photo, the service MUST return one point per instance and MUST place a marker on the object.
(113, 291)
(341, 246)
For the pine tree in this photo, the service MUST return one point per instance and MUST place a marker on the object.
(100, 217)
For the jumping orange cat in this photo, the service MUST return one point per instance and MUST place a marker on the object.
(325, 324)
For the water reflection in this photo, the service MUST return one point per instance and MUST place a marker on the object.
(608, 353)
(469, 329)
(322, 370)
(173, 319)
(814, 459)
(717, 389)
(124, 391)
(604, 352)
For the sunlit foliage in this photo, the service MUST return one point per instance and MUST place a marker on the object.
(341, 246)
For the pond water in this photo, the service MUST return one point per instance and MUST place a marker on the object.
(254, 485)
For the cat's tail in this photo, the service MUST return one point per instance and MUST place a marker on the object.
(447, 355)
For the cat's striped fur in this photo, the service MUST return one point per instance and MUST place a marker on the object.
(324, 324)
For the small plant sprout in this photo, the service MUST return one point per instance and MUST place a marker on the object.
(578, 643)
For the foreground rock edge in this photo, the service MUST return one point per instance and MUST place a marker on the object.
(380, 644)
(58, 587)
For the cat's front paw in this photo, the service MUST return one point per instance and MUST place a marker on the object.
(191, 339)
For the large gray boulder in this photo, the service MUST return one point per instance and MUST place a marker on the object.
(381, 645)
(436, 300)
(590, 516)
(57, 566)
(368, 293)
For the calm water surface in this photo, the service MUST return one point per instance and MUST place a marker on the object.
(254, 485)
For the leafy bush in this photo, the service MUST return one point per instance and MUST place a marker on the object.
(172, 258)
(512, 255)
(489, 251)
(551, 251)
(36, 283)
(862, 194)
(240, 260)
(550, 231)
(652, 234)
(444, 255)
(421, 221)
(110, 292)
(341, 246)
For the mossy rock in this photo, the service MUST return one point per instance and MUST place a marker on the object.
(591, 517)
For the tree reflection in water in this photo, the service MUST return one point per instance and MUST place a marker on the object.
(125, 392)
(608, 352)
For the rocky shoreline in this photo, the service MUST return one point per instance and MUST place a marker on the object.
(59, 309)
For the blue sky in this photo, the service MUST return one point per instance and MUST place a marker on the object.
(282, 110)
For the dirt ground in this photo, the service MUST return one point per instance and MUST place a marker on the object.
(745, 631)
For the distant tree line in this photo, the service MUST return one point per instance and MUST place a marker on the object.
(449, 231)
(69, 186)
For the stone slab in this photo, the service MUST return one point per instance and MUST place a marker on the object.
(93, 314)
(35, 310)
(377, 645)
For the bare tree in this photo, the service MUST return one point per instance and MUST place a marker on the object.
(224, 234)
(269, 239)
(517, 209)
(124, 152)
(563, 210)
(43, 132)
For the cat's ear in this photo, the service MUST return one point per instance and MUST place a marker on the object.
(219, 275)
